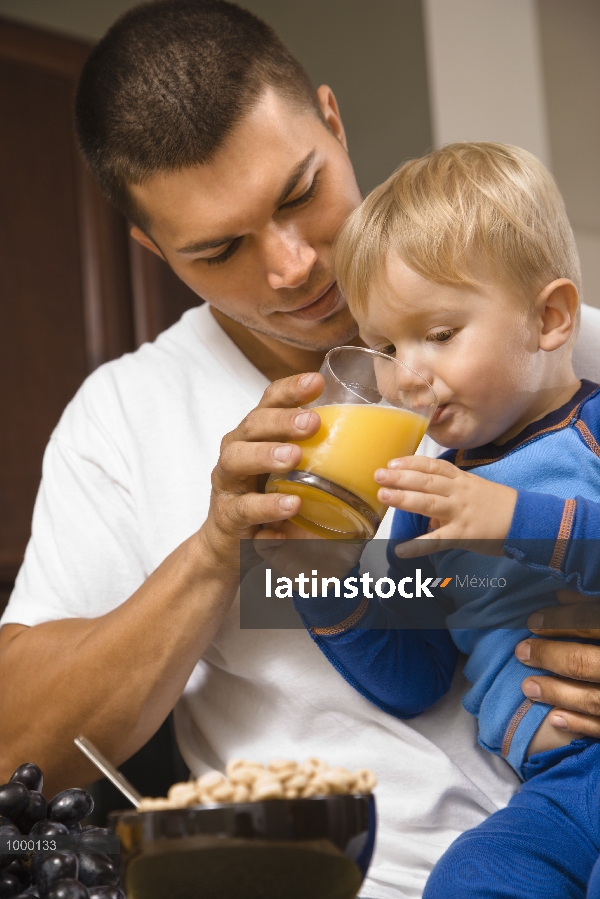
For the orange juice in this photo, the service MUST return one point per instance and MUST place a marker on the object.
(352, 442)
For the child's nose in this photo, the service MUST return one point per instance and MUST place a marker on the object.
(419, 363)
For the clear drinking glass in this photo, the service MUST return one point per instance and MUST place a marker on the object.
(373, 409)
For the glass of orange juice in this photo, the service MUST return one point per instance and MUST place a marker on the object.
(374, 408)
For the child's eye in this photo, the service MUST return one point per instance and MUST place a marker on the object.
(389, 350)
(440, 336)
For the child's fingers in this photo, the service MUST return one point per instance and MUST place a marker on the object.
(418, 481)
(436, 541)
(430, 505)
(425, 464)
(421, 546)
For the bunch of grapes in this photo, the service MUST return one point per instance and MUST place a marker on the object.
(55, 875)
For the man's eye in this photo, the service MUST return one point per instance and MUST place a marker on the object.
(224, 256)
(440, 336)
(306, 196)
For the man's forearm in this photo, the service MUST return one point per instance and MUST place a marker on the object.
(113, 678)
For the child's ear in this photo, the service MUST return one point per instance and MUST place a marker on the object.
(557, 304)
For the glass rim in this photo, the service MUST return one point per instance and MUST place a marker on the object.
(364, 349)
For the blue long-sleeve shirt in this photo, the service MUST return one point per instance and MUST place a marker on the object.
(554, 464)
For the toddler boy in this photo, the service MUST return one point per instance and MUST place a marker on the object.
(463, 265)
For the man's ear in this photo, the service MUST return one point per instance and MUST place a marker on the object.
(331, 113)
(558, 303)
(145, 241)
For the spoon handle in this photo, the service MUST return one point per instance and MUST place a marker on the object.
(109, 771)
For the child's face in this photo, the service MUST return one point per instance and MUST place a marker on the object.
(477, 347)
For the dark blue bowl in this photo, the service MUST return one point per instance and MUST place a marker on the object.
(317, 848)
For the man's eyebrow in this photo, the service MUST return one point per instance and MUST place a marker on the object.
(198, 246)
(296, 175)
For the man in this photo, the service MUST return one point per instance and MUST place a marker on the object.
(209, 136)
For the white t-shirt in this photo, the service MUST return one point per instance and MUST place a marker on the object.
(125, 481)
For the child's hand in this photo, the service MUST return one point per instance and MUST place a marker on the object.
(461, 506)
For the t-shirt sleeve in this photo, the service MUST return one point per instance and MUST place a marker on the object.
(83, 558)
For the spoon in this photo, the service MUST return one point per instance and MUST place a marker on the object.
(109, 771)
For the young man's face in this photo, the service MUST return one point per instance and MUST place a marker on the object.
(477, 347)
(252, 231)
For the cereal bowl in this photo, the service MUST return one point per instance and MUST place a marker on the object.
(312, 848)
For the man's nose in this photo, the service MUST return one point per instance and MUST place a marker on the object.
(289, 258)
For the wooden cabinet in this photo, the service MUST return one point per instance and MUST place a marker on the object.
(74, 291)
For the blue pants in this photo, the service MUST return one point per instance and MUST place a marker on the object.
(543, 845)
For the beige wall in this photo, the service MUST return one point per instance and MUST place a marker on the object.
(371, 52)
(526, 72)
(486, 73)
(80, 18)
(570, 40)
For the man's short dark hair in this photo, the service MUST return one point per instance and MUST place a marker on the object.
(168, 83)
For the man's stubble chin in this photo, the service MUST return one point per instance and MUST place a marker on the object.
(338, 330)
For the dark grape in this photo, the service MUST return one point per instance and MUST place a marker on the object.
(70, 806)
(30, 776)
(10, 831)
(34, 811)
(97, 870)
(24, 810)
(53, 868)
(20, 870)
(68, 889)
(9, 886)
(13, 799)
(106, 893)
(36, 860)
(48, 829)
(89, 838)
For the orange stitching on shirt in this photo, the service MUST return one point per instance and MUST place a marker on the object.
(588, 437)
(473, 463)
(343, 625)
(513, 724)
(564, 533)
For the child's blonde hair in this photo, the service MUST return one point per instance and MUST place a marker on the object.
(458, 205)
